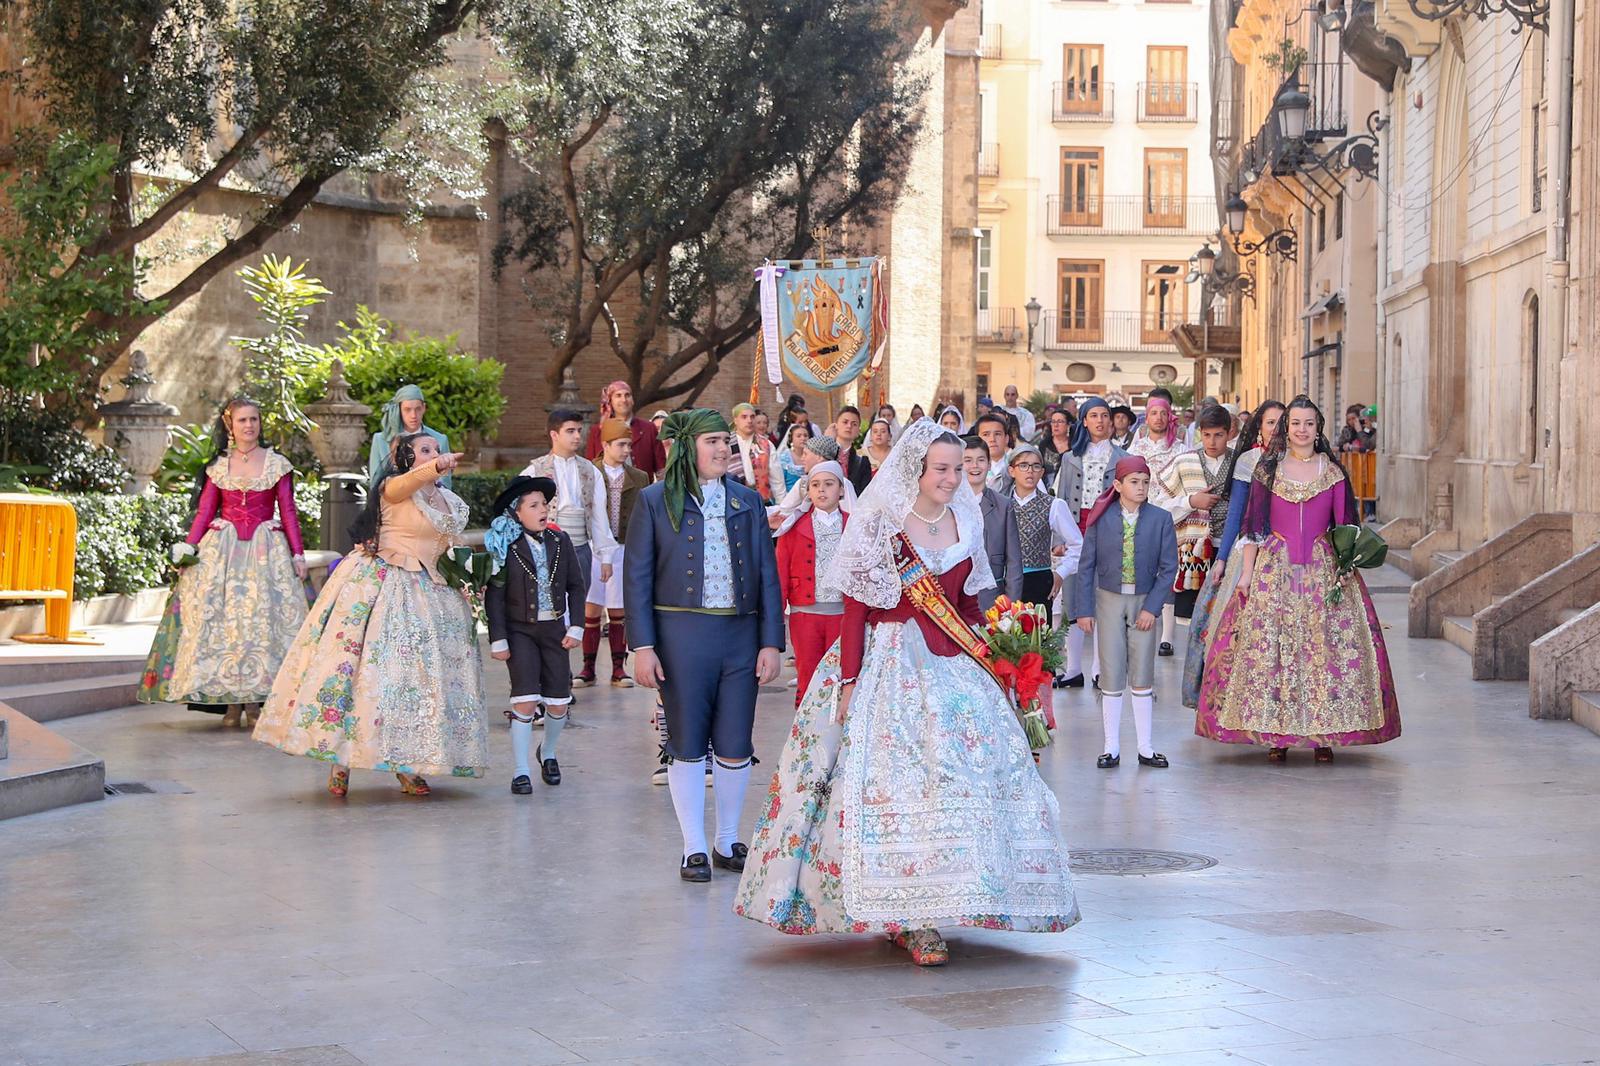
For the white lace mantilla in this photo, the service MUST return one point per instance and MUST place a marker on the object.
(273, 467)
(863, 568)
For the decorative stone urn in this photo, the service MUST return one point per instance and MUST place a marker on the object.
(569, 398)
(137, 426)
(339, 433)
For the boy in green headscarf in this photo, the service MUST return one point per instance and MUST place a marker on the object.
(403, 414)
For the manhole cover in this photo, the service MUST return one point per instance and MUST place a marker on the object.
(1124, 862)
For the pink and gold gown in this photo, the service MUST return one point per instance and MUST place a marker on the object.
(232, 616)
(1288, 668)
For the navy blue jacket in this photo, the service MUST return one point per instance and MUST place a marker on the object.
(662, 568)
(1155, 559)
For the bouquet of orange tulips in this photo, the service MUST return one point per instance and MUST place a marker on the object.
(1025, 651)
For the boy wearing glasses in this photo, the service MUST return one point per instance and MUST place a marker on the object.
(1046, 528)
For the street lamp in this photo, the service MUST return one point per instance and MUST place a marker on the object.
(1235, 208)
(1291, 107)
(1205, 261)
(1032, 309)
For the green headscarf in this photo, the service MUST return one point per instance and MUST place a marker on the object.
(682, 476)
(391, 411)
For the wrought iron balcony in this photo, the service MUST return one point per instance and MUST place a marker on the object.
(1169, 215)
(1080, 102)
(1109, 331)
(998, 325)
(988, 160)
(1169, 101)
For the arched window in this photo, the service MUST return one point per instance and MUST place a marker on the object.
(1530, 356)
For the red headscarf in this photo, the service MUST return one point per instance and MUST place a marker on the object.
(1132, 464)
(605, 398)
(1162, 401)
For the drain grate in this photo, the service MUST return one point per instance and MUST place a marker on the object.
(130, 788)
(1135, 862)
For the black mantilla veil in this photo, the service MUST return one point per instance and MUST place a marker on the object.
(1258, 519)
(1247, 440)
(364, 530)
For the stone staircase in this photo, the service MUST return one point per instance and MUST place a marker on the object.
(47, 688)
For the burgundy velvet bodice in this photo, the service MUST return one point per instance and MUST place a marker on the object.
(857, 616)
(246, 510)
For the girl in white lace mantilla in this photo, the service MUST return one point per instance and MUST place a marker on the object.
(906, 797)
(385, 673)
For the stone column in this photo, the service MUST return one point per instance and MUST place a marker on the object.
(137, 426)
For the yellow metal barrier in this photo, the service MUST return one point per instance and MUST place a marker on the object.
(38, 548)
(1363, 470)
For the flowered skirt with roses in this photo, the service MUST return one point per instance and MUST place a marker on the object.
(384, 675)
(923, 810)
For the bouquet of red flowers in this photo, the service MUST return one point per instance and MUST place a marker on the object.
(1025, 651)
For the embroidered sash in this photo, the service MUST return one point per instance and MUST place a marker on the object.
(927, 596)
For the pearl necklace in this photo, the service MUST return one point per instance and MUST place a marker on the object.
(932, 523)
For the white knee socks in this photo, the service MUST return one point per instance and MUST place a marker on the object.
(687, 782)
(552, 730)
(1074, 652)
(1169, 623)
(1111, 717)
(521, 737)
(730, 783)
(1144, 704)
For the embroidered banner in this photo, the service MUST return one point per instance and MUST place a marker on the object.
(830, 319)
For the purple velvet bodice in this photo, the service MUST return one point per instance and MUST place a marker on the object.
(1300, 518)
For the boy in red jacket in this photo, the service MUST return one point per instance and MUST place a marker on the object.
(806, 544)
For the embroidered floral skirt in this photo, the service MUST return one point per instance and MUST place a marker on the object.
(1220, 583)
(1287, 669)
(923, 810)
(385, 675)
(230, 620)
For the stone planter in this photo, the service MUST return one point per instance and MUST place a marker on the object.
(137, 426)
(339, 434)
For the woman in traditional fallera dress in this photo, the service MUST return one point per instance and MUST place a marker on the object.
(385, 673)
(233, 613)
(1220, 581)
(906, 797)
(1299, 659)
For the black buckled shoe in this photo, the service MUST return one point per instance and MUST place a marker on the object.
(549, 769)
(521, 786)
(1165, 649)
(1075, 681)
(734, 862)
(1158, 760)
(1108, 761)
(696, 868)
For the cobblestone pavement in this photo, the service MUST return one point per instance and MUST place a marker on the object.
(1427, 902)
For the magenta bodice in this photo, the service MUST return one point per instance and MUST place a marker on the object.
(246, 510)
(1300, 524)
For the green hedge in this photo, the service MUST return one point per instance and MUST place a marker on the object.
(479, 490)
(125, 542)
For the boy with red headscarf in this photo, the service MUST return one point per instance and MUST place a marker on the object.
(1125, 573)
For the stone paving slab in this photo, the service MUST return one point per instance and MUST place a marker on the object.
(1425, 903)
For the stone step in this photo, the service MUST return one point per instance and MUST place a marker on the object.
(1586, 710)
(44, 771)
(1458, 631)
(1444, 559)
(47, 701)
(1563, 617)
(34, 669)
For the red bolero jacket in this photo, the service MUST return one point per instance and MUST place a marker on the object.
(797, 562)
(857, 616)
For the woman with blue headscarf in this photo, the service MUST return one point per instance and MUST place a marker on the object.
(402, 414)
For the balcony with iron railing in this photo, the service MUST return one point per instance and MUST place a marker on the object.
(988, 160)
(1170, 216)
(990, 41)
(1169, 101)
(998, 325)
(1110, 331)
(1082, 102)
